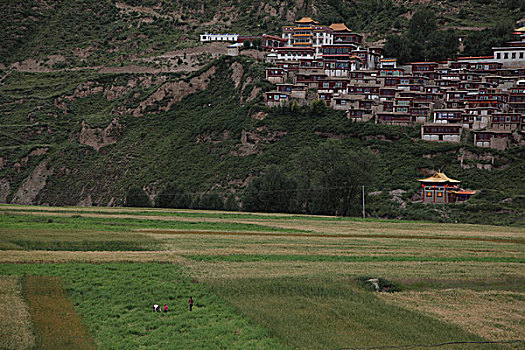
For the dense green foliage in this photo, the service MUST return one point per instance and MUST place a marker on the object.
(198, 144)
(328, 182)
(480, 43)
(173, 196)
(422, 41)
(136, 197)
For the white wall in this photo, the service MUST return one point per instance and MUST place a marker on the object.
(509, 61)
(218, 37)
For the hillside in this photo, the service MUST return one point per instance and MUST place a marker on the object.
(83, 138)
(99, 97)
(75, 33)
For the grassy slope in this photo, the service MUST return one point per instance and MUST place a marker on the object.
(118, 34)
(165, 146)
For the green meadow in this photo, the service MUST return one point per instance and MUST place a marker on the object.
(259, 281)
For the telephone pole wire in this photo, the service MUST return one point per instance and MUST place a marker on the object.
(364, 201)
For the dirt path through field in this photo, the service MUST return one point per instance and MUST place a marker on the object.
(45, 256)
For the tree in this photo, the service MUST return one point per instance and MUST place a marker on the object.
(334, 177)
(211, 201)
(136, 197)
(481, 42)
(173, 196)
(441, 45)
(231, 203)
(398, 46)
(271, 192)
(422, 24)
(422, 41)
(257, 43)
(318, 107)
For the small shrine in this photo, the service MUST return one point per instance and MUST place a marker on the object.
(439, 188)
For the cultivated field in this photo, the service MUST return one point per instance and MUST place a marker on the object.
(260, 281)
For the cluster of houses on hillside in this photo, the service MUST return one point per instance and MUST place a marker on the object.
(485, 95)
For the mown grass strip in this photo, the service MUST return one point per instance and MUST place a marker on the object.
(308, 234)
(56, 322)
(194, 214)
(16, 331)
(78, 222)
(514, 283)
(347, 258)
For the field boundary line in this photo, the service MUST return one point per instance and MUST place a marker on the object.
(418, 346)
(329, 235)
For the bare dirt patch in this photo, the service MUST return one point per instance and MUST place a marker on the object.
(32, 186)
(98, 137)
(173, 92)
(5, 189)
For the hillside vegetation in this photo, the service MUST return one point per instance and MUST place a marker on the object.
(86, 136)
(110, 32)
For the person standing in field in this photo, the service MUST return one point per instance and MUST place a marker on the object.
(155, 307)
(165, 307)
(190, 302)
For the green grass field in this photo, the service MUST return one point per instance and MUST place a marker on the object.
(259, 281)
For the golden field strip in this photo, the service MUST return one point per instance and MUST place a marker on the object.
(57, 324)
(468, 275)
(16, 331)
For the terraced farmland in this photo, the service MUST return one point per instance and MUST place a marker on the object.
(260, 281)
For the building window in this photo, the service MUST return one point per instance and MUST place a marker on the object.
(521, 55)
(429, 194)
(440, 194)
(498, 55)
(506, 56)
(513, 55)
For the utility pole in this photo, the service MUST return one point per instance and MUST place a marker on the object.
(363, 201)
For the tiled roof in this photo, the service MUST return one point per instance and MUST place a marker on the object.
(306, 20)
(338, 27)
(439, 177)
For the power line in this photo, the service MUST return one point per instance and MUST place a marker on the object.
(317, 189)
(419, 346)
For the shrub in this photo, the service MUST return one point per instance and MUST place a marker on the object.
(173, 196)
(136, 197)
